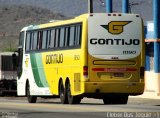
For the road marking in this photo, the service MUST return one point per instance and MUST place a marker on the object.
(59, 107)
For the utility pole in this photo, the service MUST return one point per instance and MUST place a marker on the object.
(125, 6)
(90, 6)
(109, 6)
(156, 17)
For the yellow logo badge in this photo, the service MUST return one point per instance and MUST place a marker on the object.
(116, 27)
(26, 62)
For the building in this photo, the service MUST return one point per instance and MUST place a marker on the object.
(152, 78)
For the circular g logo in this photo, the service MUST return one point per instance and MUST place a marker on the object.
(116, 27)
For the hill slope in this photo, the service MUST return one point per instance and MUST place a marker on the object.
(14, 18)
(76, 7)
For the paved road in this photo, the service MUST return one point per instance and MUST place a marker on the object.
(89, 108)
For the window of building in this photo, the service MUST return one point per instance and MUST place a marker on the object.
(151, 56)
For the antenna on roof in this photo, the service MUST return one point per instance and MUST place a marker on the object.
(90, 6)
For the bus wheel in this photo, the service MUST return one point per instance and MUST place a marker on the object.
(31, 99)
(72, 99)
(63, 94)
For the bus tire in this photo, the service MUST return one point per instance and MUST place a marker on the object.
(31, 99)
(63, 93)
(72, 99)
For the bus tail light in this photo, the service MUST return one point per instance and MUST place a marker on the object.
(85, 71)
(141, 72)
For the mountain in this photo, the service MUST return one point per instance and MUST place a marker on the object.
(14, 18)
(15, 14)
(77, 7)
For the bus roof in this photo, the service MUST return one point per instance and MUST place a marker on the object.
(64, 22)
(56, 23)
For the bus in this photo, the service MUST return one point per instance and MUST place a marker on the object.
(94, 55)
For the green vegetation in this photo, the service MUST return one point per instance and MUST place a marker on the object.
(14, 18)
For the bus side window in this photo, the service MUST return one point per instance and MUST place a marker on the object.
(21, 39)
(32, 41)
(62, 37)
(44, 40)
(48, 38)
(28, 41)
(52, 40)
(57, 38)
(35, 41)
(40, 37)
(78, 35)
(72, 36)
(67, 32)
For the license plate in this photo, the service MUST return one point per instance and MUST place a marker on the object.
(118, 74)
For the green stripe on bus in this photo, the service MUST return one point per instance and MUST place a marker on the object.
(38, 71)
(35, 70)
(41, 70)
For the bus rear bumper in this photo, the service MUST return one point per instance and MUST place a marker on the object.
(134, 88)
